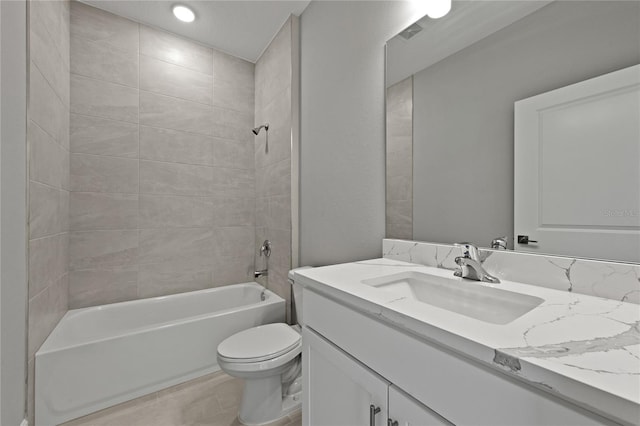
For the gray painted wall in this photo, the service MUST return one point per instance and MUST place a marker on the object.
(342, 165)
(13, 276)
(463, 110)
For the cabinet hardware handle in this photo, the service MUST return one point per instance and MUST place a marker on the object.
(373, 410)
(391, 422)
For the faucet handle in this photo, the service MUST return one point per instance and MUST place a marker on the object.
(499, 243)
(265, 248)
(468, 250)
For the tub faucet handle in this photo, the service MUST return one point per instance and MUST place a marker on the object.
(265, 248)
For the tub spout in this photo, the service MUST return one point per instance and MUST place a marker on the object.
(261, 273)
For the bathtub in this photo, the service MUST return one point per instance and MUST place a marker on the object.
(100, 356)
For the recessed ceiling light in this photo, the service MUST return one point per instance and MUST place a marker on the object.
(183, 13)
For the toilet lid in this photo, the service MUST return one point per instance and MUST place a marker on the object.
(259, 343)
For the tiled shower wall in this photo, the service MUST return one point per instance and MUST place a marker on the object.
(48, 149)
(162, 163)
(399, 194)
(273, 105)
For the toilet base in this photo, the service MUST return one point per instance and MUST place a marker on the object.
(262, 403)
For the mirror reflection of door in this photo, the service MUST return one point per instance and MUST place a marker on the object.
(577, 168)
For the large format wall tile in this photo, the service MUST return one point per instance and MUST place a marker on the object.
(231, 124)
(273, 69)
(278, 113)
(103, 27)
(45, 107)
(47, 56)
(50, 17)
(173, 113)
(168, 47)
(46, 158)
(103, 99)
(94, 210)
(175, 277)
(233, 270)
(100, 286)
(186, 245)
(103, 249)
(234, 95)
(48, 261)
(101, 136)
(175, 146)
(236, 183)
(45, 310)
(44, 210)
(96, 173)
(173, 80)
(233, 211)
(231, 68)
(279, 178)
(279, 212)
(235, 241)
(233, 153)
(174, 179)
(162, 211)
(103, 62)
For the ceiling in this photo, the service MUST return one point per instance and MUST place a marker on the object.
(242, 28)
(467, 23)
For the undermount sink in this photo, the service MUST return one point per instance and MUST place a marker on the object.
(471, 299)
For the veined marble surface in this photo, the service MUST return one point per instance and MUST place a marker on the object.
(581, 348)
(611, 280)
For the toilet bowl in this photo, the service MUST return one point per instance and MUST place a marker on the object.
(268, 358)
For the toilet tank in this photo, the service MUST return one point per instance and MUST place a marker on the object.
(296, 291)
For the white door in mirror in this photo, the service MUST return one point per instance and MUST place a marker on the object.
(577, 169)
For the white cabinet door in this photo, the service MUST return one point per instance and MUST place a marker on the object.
(577, 169)
(406, 411)
(339, 391)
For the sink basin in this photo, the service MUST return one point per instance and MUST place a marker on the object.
(471, 299)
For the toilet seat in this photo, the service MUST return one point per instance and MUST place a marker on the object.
(258, 344)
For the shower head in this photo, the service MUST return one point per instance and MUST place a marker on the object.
(256, 130)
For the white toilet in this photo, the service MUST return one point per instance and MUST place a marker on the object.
(268, 358)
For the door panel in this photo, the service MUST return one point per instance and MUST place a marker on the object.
(577, 169)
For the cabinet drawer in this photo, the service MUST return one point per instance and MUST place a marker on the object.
(460, 390)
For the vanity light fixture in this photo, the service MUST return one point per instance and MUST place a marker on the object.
(438, 8)
(183, 13)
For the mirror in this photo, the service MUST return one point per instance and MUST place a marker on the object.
(451, 89)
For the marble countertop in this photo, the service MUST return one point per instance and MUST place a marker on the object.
(582, 348)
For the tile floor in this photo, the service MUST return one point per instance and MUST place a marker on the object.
(210, 400)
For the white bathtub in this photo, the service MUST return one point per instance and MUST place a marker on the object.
(104, 355)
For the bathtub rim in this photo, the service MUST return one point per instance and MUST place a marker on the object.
(48, 347)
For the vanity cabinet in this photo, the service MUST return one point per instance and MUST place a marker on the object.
(406, 411)
(345, 392)
(352, 360)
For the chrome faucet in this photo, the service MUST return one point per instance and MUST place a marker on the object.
(261, 273)
(471, 265)
(265, 250)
